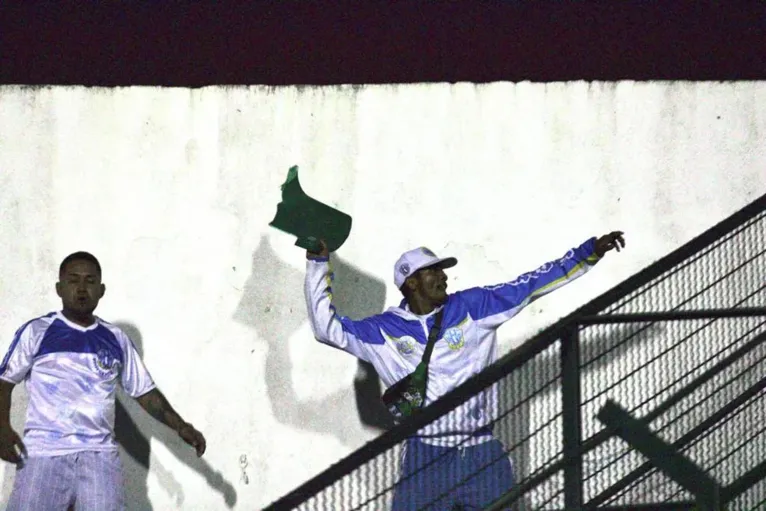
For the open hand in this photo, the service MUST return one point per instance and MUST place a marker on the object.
(193, 437)
(10, 441)
(607, 242)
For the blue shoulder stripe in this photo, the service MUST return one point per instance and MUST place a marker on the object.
(17, 338)
(61, 338)
(488, 301)
(366, 330)
(396, 327)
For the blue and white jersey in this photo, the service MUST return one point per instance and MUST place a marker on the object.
(71, 374)
(394, 341)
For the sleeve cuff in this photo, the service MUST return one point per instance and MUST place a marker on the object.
(144, 391)
(9, 380)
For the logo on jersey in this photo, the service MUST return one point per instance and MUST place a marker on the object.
(454, 338)
(405, 345)
(106, 363)
(544, 268)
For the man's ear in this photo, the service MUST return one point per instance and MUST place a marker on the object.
(103, 290)
(58, 289)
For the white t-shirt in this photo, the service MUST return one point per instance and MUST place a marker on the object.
(71, 374)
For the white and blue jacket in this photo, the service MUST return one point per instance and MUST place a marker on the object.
(394, 341)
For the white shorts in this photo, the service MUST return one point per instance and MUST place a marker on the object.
(91, 480)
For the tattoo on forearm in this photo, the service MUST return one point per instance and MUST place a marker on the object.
(158, 407)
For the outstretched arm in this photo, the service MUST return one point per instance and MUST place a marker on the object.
(328, 326)
(491, 306)
(156, 404)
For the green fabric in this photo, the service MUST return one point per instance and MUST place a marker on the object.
(308, 219)
(419, 376)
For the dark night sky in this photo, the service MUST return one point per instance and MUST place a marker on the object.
(309, 42)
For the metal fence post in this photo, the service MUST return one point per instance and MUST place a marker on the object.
(669, 460)
(571, 418)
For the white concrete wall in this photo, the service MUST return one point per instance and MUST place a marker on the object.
(173, 190)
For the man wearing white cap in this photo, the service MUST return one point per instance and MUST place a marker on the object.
(455, 462)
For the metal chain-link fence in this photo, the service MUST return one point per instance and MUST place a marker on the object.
(652, 361)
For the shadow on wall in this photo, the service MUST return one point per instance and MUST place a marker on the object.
(275, 307)
(134, 429)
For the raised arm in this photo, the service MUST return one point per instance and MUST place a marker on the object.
(491, 306)
(328, 326)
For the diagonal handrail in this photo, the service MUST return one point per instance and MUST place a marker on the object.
(746, 481)
(684, 440)
(663, 455)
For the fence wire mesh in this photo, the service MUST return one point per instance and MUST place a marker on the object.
(527, 421)
(753, 499)
(678, 374)
(646, 363)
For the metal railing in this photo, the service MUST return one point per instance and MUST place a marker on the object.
(699, 406)
(680, 345)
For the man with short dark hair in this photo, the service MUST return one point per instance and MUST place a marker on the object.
(72, 362)
(455, 461)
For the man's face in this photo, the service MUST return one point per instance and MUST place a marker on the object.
(80, 287)
(432, 284)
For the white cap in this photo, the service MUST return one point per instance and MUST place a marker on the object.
(417, 259)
